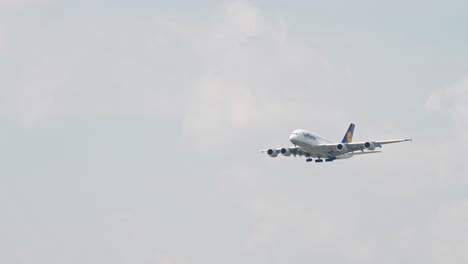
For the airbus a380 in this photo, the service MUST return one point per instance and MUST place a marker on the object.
(312, 146)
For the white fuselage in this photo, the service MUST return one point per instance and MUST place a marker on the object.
(310, 142)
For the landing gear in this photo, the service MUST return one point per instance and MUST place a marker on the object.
(319, 160)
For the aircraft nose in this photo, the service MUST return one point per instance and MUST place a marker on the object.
(293, 137)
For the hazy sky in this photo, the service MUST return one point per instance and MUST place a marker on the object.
(130, 131)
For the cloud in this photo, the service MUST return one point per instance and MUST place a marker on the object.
(235, 80)
(293, 220)
(21, 3)
(449, 232)
(93, 68)
(453, 102)
(38, 94)
(236, 71)
(361, 211)
(255, 74)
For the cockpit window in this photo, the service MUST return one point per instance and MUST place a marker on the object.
(307, 135)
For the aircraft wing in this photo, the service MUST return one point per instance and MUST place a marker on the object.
(367, 152)
(331, 150)
(355, 146)
(294, 151)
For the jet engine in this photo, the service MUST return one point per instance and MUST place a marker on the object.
(342, 148)
(272, 153)
(369, 145)
(285, 152)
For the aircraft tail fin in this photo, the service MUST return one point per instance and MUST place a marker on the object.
(348, 137)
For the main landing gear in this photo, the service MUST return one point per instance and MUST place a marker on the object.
(317, 160)
(309, 159)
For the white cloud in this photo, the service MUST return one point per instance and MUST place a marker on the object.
(237, 71)
(251, 66)
(240, 73)
(21, 3)
(38, 92)
(449, 233)
(294, 223)
(452, 101)
(363, 211)
(120, 69)
(2, 43)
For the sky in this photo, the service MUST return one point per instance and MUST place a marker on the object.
(130, 131)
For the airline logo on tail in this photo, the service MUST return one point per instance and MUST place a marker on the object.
(349, 134)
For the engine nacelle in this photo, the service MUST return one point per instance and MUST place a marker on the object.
(285, 152)
(342, 148)
(272, 153)
(369, 145)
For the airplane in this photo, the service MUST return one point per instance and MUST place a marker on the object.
(312, 146)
